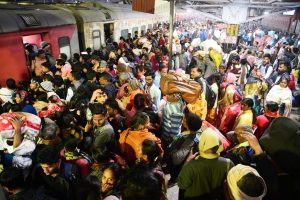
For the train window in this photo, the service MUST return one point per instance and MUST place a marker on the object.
(96, 39)
(143, 28)
(134, 29)
(64, 46)
(150, 26)
(124, 33)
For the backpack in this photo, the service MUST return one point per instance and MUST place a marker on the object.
(238, 94)
(210, 96)
(181, 146)
(69, 174)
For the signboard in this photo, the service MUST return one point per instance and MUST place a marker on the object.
(232, 30)
(151, 6)
(231, 40)
(234, 14)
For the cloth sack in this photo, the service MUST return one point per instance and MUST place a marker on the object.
(173, 83)
(30, 127)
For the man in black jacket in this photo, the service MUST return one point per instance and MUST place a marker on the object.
(57, 178)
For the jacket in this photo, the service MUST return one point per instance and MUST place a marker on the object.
(130, 142)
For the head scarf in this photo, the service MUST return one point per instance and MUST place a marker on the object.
(230, 78)
(209, 139)
(235, 174)
(134, 84)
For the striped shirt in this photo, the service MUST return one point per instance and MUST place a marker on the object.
(172, 115)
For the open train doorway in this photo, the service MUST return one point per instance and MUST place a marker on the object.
(31, 45)
(108, 32)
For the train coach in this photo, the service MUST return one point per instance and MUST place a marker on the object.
(33, 24)
(96, 22)
(66, 27)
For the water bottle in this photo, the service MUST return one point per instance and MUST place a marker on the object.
(281, 109)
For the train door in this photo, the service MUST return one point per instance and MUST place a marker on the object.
(35, 40)
(108, 31)
(31, 45)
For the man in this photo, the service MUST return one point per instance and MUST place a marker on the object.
(196, 74)
(206, 173)
(102, 68)
(36, 67)
(262, 121)
(187, 57)
(34, 88)
(162, 71)
(62, 69)
(284, 69)
(64, 57)
(106, 82)
(95, 60)
(152, 90)
(12, 181)
(234, 66)
(103, 132)
(156, 59)
(141, 183)
(6, 93)
(244, 182)
(91, 83)
(54, 175)
(259, 58)
(74, 77)
(266, 68)
(114, 117)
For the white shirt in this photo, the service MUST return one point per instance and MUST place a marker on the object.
(6, 95)
(154, 94)
(215, 89)
(264, 73)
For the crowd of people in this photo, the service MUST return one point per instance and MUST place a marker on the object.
(111, 124)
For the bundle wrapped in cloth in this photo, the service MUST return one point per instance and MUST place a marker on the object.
(30, 127)
(174, 83)
(19, 156)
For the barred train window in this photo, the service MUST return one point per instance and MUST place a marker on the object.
(96, 36)
(134, 29)
(143, 28)
(64, 46)
(124, 33)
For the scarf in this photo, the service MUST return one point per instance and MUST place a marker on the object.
(238, 172)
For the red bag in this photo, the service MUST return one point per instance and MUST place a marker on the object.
(225, 142)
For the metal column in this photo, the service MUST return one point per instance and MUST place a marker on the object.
(171, 30)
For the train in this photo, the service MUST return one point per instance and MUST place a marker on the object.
(68, 28)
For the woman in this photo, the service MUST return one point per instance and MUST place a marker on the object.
(110, 182)
(132, 138)
(247, 116)
(282, 95)
(134, 88)
(229, 96)
(103, 158)
(150, 155)
(255, 88)
(21, 98)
